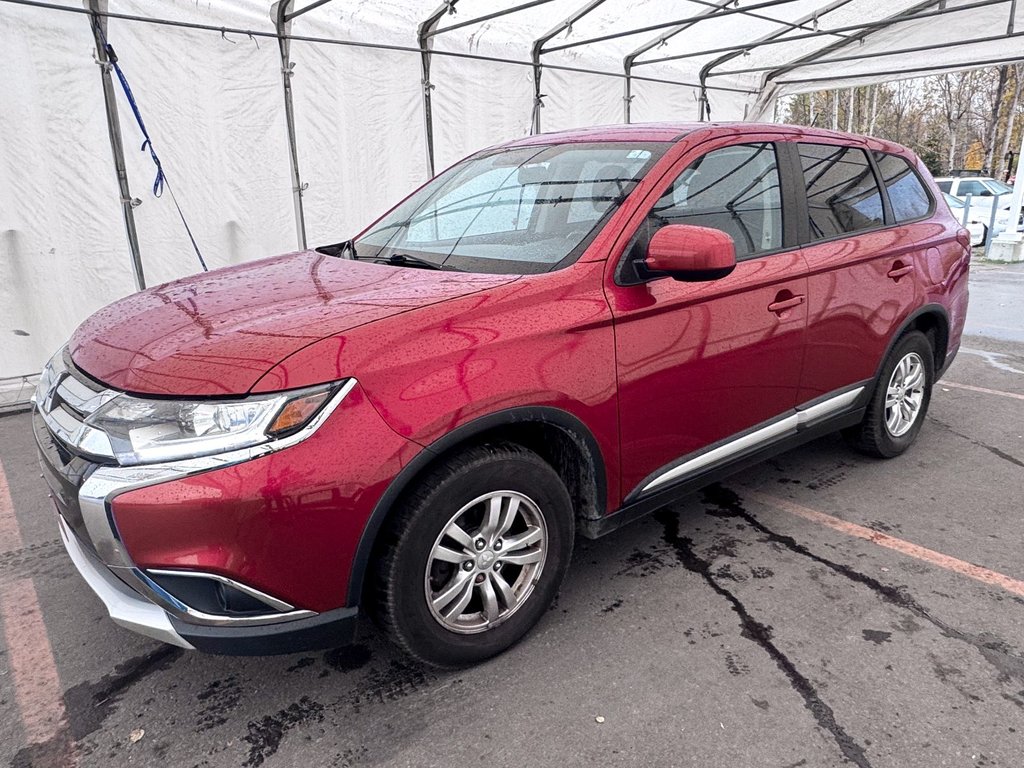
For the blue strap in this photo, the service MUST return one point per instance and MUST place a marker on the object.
(160, 181)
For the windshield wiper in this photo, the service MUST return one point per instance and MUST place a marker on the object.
(405, 260)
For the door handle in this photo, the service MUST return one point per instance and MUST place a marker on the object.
(780, 305)
(899, 270)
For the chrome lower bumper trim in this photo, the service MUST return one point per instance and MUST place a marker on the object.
(125, 606)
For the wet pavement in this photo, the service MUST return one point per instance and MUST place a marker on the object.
(821, 609)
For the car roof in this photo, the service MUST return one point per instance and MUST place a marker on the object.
(676, 131)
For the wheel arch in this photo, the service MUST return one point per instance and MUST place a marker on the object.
(933, 321)
(559, 437)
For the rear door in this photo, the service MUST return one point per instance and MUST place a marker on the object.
(861, 263)
(700, 362)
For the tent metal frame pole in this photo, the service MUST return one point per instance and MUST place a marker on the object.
(927, 68)
(881, 54)
(424, 32)
(97, 9)
(865, 26)
(489, 16)
(259, 33)
(676, 22)
(306, 9)
(282, 24)
(706, 70)
(1009, 22)
(1017, 199)
(629, 60)
(537, 50)
(912, 13)
(790, 25)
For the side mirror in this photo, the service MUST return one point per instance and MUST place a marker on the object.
(691, 254)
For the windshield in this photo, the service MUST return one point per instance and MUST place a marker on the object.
(1000, 188)
(513, 211)
(952, 201)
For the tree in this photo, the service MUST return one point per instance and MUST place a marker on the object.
(946, 119)
(996, 90)
(954, 94)
(1015, 93)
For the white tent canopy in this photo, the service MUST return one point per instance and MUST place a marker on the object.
(257, 172)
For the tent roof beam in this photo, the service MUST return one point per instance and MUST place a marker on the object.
(864, 26)
(878, 54)
(677, 22)
(315, 4)
(804, 25)
(872, 77)
(915, 12)
(488, 16)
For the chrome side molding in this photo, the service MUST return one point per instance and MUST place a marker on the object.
(804, 416)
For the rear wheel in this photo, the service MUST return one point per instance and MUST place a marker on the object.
(900, 401)
(475, 556)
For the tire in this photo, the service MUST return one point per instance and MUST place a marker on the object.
(533, 506)
(888, 429)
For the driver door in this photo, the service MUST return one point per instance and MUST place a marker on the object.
(700, 363)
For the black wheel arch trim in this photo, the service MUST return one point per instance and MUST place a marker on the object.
(520, 415)
(908, 321)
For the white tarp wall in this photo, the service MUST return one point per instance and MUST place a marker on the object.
(214, 106)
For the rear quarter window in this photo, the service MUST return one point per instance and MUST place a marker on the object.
(842, 195)
(907, 194)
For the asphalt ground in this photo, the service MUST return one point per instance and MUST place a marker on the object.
(821, 609)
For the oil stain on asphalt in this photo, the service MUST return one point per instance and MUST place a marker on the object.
(761, 634)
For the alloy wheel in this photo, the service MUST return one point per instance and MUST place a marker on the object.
(905, 394)
(485, 562)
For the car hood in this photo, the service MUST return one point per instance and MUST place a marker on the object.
(218, 333)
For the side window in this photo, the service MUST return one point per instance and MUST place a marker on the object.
(907, 195)
(973, 187)
(842, 195)
(945, 186)
(734, 189)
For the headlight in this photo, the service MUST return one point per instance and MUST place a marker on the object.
(144, 431)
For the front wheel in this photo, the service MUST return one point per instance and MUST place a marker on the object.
(898, 406)
(475, 556)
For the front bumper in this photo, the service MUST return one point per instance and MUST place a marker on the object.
(274, 527)
(125, 606)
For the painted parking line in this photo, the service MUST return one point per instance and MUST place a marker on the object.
(30, 657)
(984, 390)
(976, 572)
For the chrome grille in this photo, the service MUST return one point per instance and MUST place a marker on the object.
(65, 398)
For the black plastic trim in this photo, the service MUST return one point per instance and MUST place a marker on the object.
(332, 629)
(521, 415)
(887, 213)
(861, 402)
(927, 309)
(794, 195)
(644, 505)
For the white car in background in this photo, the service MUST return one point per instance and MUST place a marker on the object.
(982, 190)
(977, 229)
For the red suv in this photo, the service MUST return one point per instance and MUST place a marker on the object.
(554, 336)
